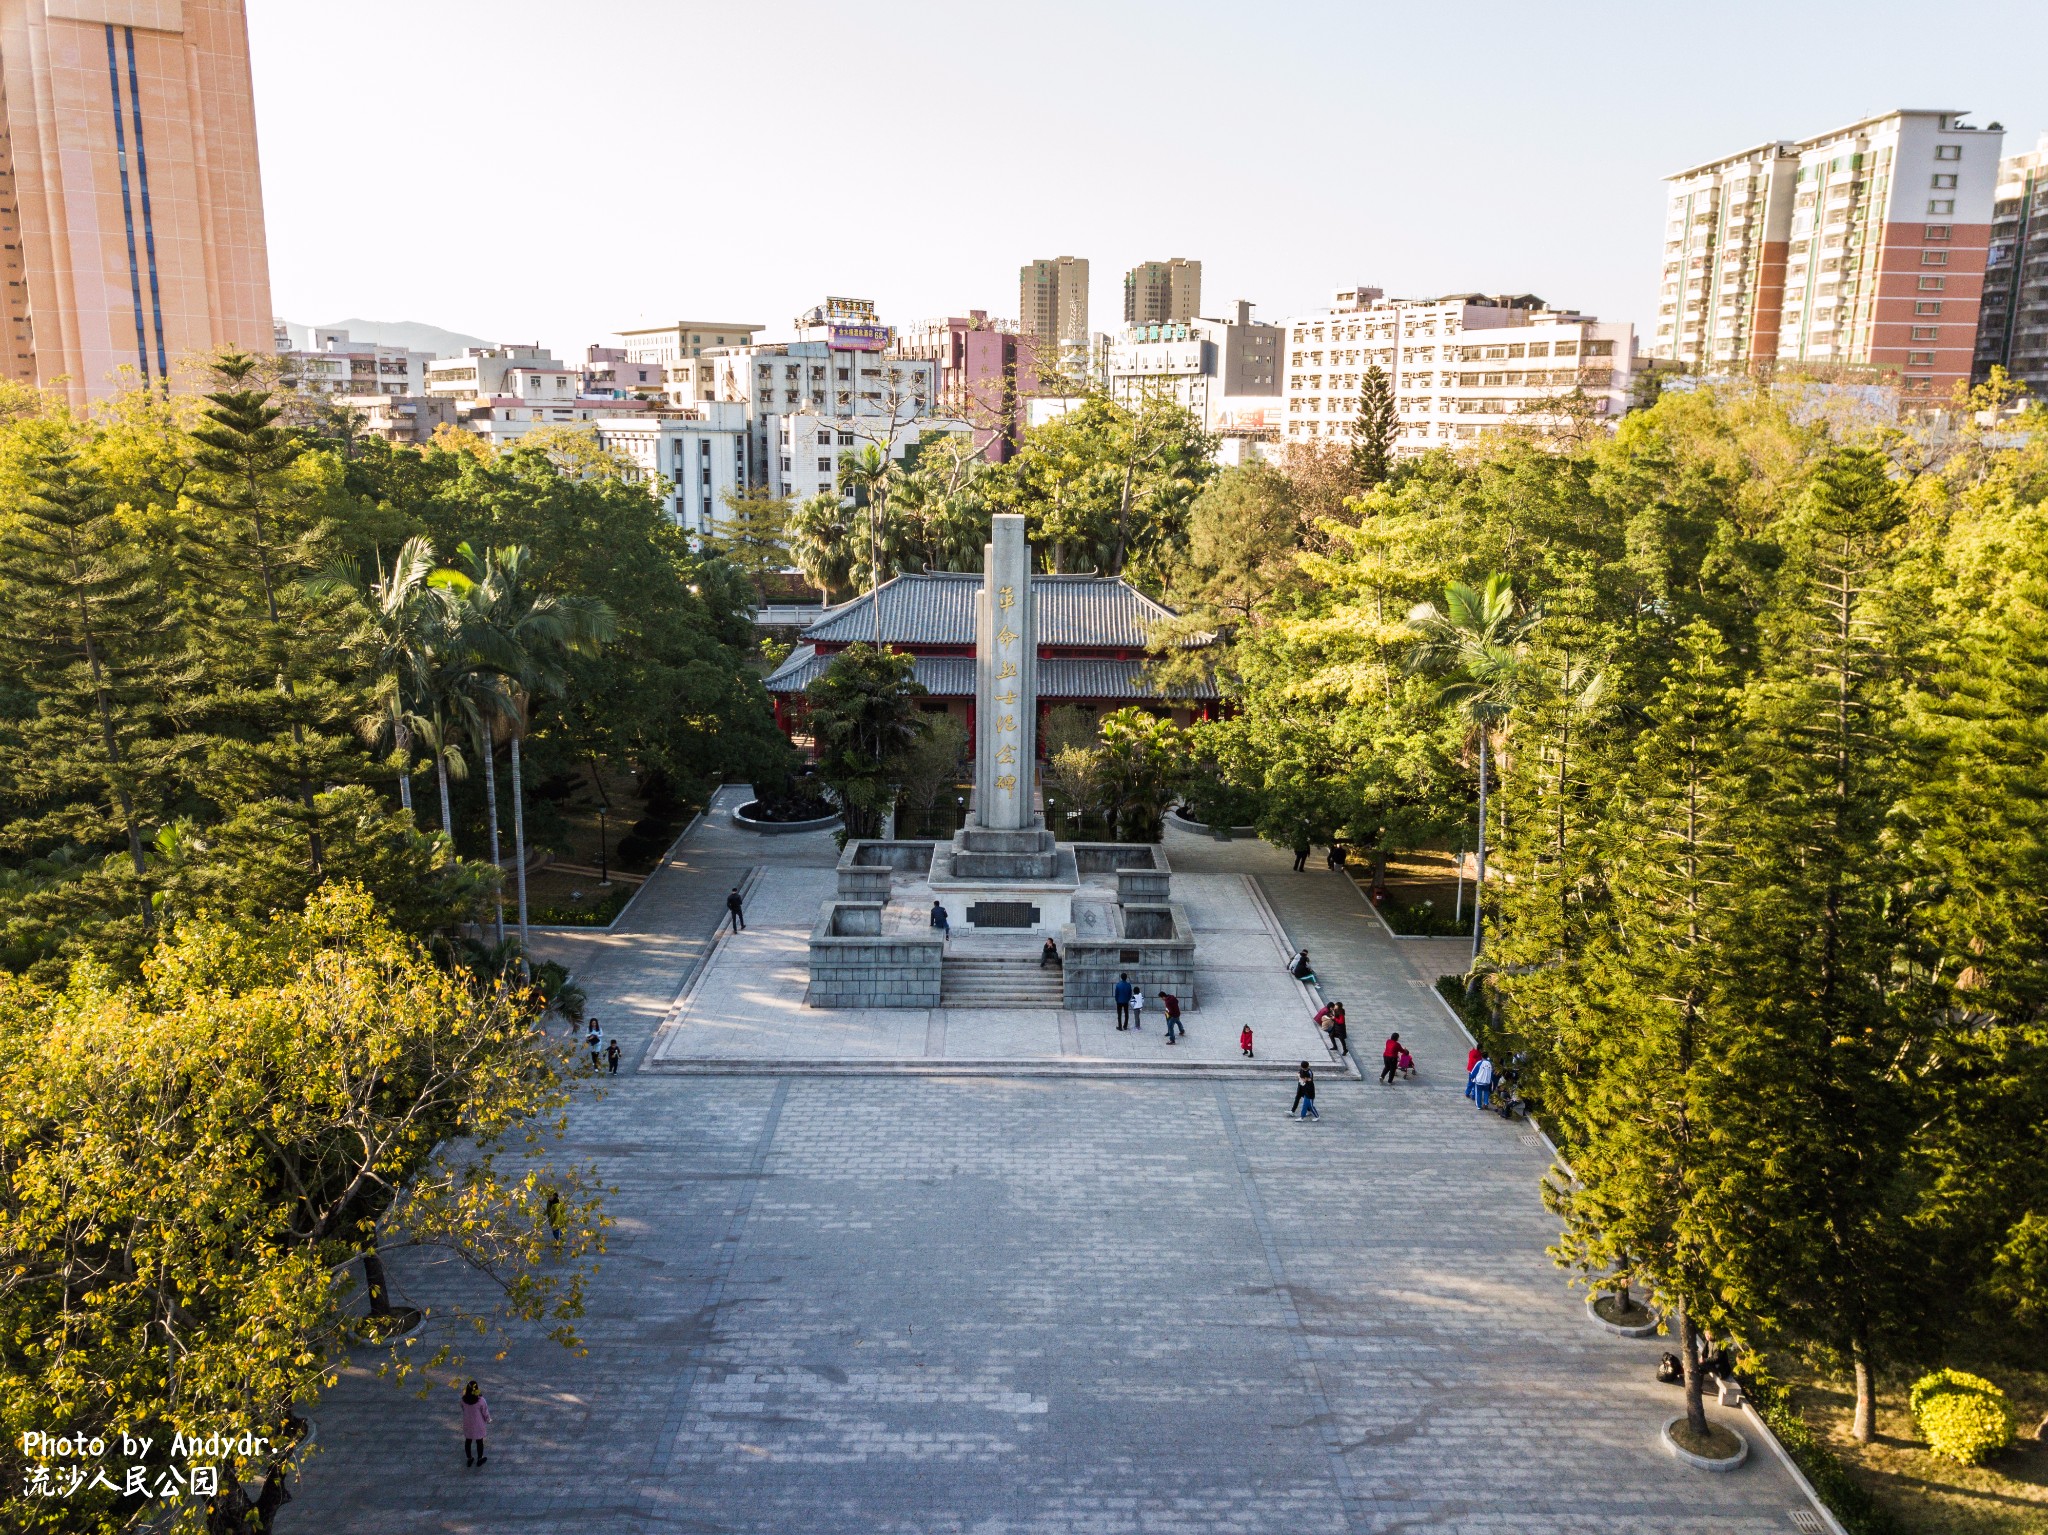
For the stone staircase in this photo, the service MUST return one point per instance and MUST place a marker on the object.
(991, 981)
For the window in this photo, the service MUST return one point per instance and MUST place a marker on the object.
(824, 466)
(1933, 284)
(785, 466)
(1941, 205)
(1944, 183)
(1934, 258)
(1926, 332)
(1927, 306)
(1948, 151)
(1919, 359)
(1918, 384)
(846, 439)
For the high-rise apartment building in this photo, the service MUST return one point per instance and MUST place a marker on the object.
(1863, 248)
(1052, 303)
(131, 212)
(1163, 292)
(2012, 327)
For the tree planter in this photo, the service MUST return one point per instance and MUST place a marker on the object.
(750, 822)
(1640, 1330)
(1175, 817)
(1705, 1462)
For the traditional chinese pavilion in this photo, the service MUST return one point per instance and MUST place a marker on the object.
(1091, 646)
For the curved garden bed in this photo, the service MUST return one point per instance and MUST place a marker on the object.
(1637, 1322)
(1186, 823)
(1724, 1451)
(754, 816)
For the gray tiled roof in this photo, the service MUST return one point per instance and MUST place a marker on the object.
(937, 608)
(953, 677)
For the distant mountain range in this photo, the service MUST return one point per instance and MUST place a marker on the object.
(410, 334)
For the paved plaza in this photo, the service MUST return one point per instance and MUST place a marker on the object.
(747, 1005)
(990, 1301)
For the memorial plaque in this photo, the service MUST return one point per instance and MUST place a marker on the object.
(1002, 914)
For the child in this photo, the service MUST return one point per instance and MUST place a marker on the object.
(1245, 1039)
(1137, 1007)
(611, 1058)
(1407, 1064)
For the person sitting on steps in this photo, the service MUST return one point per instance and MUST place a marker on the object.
(1049, 955)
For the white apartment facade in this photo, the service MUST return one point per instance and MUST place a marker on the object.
(700, 453)
(893, 397)
(1222, 371)
(332, 363)
(1458, 367)
(481, 373)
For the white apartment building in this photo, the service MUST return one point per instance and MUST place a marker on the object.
(701, 453)
(894, 396)
(1221, 371)
(332, 363)
(482, 372)
(1458, 366)
(663, 344)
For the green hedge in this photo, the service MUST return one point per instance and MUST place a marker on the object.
(1843, 1494)
(598, 913)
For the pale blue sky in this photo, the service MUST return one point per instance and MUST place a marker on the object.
(553, 170)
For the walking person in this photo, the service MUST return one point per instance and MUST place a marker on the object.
(1137, 1007)
(1407, 1064)
(611, 1058)
(1336, 858)
(595, 1041)
(1471, 1060)
(736, 915)
(1390, 1056)
(1340, 1032)
(1122, 993)
(1301, 855)
(1244, 1042)
(1482, 1080)
(1305, 1094)
(1171, 1003)
(476, 1422)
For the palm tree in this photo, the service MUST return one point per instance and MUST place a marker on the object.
(402, 626)
(819, 530)
(865, 475)
(1480, 643)
(522, 640)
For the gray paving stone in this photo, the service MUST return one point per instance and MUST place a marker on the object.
(1019, 1306)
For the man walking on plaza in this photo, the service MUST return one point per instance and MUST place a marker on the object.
(1123, 1001)
(1171, 1003)
(1305, 1093)
(1390, 1056)
(737, 917)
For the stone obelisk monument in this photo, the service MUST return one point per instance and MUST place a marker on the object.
(1005, 682)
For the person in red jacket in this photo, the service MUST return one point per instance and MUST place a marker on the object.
(1471, 1060)
(1390, 1056)
(1245, 1040)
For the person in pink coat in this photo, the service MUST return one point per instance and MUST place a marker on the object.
(476, 1421)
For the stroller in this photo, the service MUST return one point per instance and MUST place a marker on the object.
(1508, 1101)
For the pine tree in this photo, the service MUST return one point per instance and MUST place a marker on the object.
(84, 621)
(1372, 433)
(1636, 1061)
(1816, 1232)
(283, 703)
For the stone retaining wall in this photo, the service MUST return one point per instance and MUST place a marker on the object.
(853, 964)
